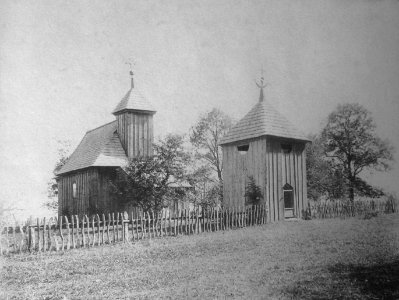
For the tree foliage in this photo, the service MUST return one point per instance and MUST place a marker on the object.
(352, 145)
(146, 181)
(64, 150)
(208, 191)
(323, 176)
(205, 136)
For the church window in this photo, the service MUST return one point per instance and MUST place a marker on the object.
(74, 190)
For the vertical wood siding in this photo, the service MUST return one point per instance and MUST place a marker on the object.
(92, 192)
(136, 133)
(271, 168)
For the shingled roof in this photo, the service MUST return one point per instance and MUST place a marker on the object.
(100, 147)
(134, 100)
(262, 120)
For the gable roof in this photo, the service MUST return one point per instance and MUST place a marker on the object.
(262, 120)
(99, 147)
(134, 100)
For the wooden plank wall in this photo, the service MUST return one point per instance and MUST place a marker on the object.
(237, 168)
(136, 133)
(92, 191)
(271, 169)
(84, 191)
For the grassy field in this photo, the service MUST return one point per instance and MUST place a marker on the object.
(317, 259)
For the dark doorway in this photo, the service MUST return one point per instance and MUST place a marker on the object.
(288, 193)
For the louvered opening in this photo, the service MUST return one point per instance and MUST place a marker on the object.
(243, 149)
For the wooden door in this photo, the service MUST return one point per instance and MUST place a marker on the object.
(288, 203)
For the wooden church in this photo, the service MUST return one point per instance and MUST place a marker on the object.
(83, 180)
(264, 145)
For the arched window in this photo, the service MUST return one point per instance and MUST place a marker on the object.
(288, 193)
(74, 190)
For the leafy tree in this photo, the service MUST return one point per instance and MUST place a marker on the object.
(7, 209)
(351, 143)
(146, 181)
(64, 150)
(323, 176)
(205, 137)
(207, 189)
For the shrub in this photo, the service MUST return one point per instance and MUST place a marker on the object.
(253, 192)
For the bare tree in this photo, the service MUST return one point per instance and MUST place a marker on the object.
(205, 137)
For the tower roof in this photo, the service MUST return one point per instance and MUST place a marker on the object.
(262, 120)
(134, 100)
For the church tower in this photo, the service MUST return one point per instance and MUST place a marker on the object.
(134, 114)
(268, 148)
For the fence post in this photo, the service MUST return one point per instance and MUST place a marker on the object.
(88, 230)
(154, 225)
(160, 218)
(131, 215)
(73, 231)
(83, 232)
(187, 221)
(29, 240)
(126, 226)
(226, 218)
(180, 224)
(233, 219)
(174, 223)
(113, 228)
(50, 243)
(108, 222)
(69, 233)
(141, 225)
(123, 226)
(257, 214)
(137, 226)
(170, 223)
(103, 228)
(93, 230)
(78, 240)
(44, 234)
(61, 234)
(117, 227)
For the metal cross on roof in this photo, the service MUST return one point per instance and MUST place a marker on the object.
(131, 64)
(261, 84)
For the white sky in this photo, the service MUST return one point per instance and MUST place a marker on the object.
(62, 69)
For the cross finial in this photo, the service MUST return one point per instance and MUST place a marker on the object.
(131, 74)
(260, 83)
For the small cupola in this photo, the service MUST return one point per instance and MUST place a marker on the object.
(134, 100)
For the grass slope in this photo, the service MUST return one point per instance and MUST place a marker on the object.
(317, 259)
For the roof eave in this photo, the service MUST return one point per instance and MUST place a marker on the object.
(121, 111)
(83, 169)
(304, 140)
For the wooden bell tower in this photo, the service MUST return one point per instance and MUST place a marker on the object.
(134, 114)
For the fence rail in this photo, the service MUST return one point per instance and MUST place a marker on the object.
(64, 233)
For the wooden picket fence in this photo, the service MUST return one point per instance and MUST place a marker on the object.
(64, 233)
(346, 209)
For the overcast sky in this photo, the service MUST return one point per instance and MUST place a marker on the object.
(62, 69)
